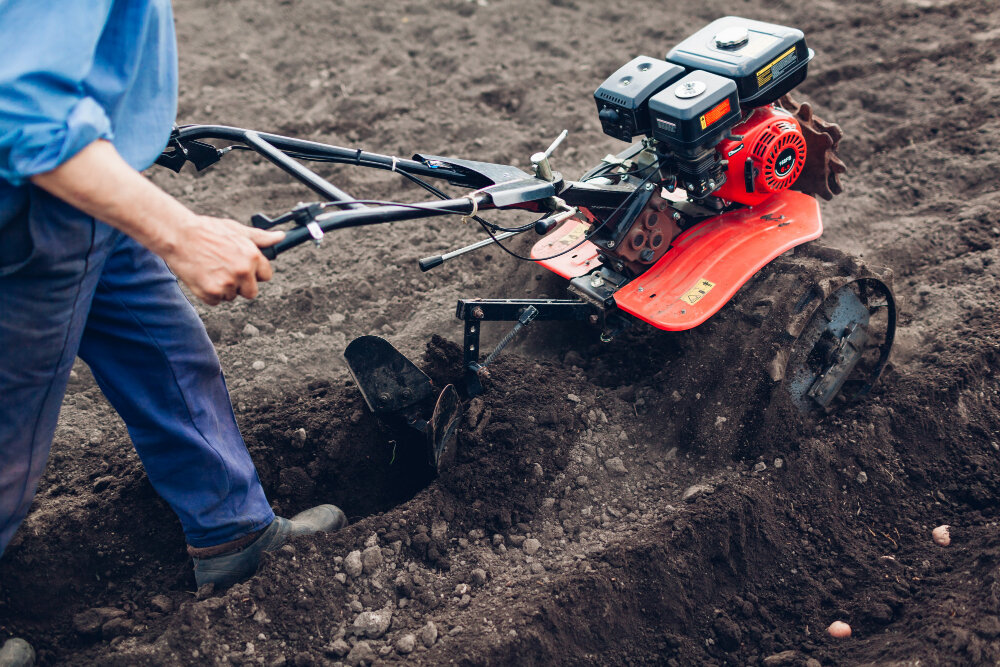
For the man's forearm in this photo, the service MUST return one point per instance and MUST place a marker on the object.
(100, 183)
(217, 258)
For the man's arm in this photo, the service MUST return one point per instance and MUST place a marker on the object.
(215, 257)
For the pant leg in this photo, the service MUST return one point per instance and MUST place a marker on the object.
(55, 256)
(150, 354)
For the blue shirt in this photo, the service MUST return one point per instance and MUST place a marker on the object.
(74, 71)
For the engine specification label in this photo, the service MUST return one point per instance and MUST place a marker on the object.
(696, 293)
(777, 67)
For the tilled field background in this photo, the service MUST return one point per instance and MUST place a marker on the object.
(562, 535)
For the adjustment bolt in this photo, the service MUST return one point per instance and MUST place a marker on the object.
(593, 319)
(649, 186)
(676, 216)
(477, 313)
(596, 280)
(384, 397)
(611, 244)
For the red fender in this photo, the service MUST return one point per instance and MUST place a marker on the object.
(705, 266)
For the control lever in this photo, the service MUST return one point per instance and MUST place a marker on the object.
(540, 161)
(428, 263)
(548, 223)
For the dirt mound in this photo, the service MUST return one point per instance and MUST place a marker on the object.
(624, 503)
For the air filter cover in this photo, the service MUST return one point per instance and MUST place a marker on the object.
(764, 59)
(623, 98)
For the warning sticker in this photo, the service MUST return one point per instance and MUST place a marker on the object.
(574, 235)
(715, 114)
(777, 67)
(696, 293)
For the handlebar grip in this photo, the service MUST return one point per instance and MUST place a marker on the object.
(292, 238)
(428, 263)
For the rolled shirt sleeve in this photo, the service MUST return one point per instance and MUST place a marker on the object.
(46, 113)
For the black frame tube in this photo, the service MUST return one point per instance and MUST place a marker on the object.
(307, 176)
(329, 152)
(373, 216)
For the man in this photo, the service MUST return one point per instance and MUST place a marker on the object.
(88, 94)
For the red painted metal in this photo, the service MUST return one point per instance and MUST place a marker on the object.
(710, 262)
(576, 262)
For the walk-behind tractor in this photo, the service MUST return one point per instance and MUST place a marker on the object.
(722, 181)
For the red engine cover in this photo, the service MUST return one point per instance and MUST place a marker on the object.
(773, 146)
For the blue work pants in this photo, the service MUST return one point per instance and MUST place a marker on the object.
(71, 285)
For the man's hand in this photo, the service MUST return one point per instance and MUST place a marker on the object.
(219, 259)
(216, 258)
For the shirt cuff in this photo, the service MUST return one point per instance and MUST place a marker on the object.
(44, 147)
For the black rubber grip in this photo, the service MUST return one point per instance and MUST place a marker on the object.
(292, 238)
(428, 263)
(545, 225)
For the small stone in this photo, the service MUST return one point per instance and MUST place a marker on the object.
(779, 463)
(162, 604)
(573, 397)
(251, 331)
(300, 434)
(531, 546)
(340, 648)
(101, 483)
(439, 530)
(428, 634)
(760, 466)
(862, 477)
(942, 535)
(340, 577)
(258, 365)
(356, 606)
(362, 653)
(478, 577)
(537, 472)
(17, 653)
(465, 601)
(116, 627)
(457, 630)
(695, 490)
(813, 662)
(371, 559)
(783, 659)
(615, 466)
(839, 629)
(89, 622)
(353, 565)
(671, 454)
(373, 624)
(406, 644)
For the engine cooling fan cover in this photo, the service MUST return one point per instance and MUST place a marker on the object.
(779, 154)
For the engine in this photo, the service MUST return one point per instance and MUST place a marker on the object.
(708, 110)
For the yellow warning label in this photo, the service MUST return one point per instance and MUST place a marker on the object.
(696, 293)
(765, 75)
(574, 235)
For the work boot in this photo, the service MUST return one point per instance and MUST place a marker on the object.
(239, 562)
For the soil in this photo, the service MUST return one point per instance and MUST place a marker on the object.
(610, 504)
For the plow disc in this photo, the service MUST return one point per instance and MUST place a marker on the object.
(403, 397)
